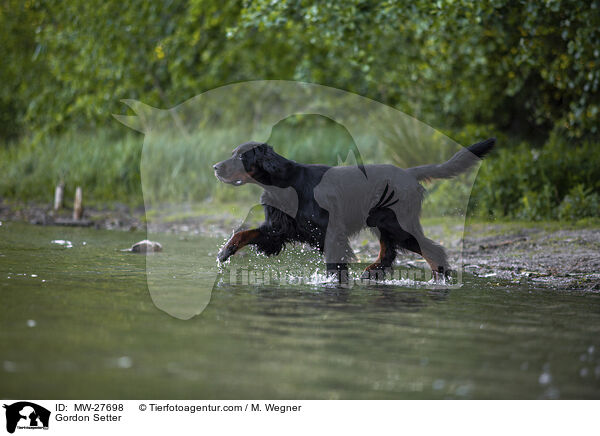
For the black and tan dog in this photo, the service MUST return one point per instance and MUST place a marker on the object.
(323, 206)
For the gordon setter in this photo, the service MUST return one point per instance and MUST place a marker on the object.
(323, 206)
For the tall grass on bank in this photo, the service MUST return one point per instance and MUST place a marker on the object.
(178, 168)
(558, 181)
(105, 163)
(109, 164)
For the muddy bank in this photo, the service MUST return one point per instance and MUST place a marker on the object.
(561, 258)
(115, 217)
(541, 256)
(544, 255)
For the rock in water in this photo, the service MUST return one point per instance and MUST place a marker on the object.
(145, 246)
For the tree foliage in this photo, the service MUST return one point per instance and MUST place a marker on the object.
(521, 67)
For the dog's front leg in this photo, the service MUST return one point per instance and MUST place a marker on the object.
(237, 241)
(339, 271)
(337, 254)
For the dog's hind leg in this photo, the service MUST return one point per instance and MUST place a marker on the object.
(433, 253)
(394, 236)
(385, 260)
(390, 237)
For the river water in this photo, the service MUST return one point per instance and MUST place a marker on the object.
(77, 321)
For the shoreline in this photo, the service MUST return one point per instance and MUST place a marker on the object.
(558, 258)
(544, 254)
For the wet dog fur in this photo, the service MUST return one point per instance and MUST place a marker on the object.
(323, 205)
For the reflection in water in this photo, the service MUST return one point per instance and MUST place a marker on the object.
(409, 300)
(325, 291)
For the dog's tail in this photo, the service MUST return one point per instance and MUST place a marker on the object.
(461, 161)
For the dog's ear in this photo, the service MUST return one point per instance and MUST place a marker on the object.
(277, 166)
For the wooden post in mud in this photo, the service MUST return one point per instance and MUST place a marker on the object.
(59, 194)
(77, 206)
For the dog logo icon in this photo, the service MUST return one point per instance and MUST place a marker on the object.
(26, 415)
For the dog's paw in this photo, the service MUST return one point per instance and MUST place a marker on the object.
(375, 272)
(444, 275)
(449, 273)
(226, 252)
(339, 271)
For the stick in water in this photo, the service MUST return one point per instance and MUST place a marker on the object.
(58, 196)
(78, 208)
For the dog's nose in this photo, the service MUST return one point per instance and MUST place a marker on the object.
(216, 166)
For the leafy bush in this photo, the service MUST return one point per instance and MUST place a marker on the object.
(537, 205)
(449, 63)
(531, 183)
(579, 203)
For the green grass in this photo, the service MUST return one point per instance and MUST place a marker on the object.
(176, 169)
(559, 182)
(497, 227)
(104, 163)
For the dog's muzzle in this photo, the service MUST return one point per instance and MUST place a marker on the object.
(223, 173)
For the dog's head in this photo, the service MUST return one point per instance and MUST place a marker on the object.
(253, 162)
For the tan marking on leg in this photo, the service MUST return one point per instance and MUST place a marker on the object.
(377, 263)
(241, 239)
